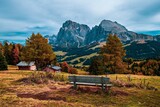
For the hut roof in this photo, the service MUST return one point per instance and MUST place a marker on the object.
(56, 68)
(24, 63)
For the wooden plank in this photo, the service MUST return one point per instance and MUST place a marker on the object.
(89, 79)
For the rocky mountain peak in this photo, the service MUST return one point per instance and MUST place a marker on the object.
(112, 26)
(72, 34)
(75, 35)
(70, 24)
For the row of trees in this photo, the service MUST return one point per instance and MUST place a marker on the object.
(148, 67)
(9, 54)
(36, 49)
(111, 60)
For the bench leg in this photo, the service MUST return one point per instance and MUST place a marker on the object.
(107, 88)
(75, 85)
(103, 87)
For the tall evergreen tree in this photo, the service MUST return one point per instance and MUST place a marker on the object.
(97, 66)
(15, 54)
(7, 48)
(3, 63)
(1, 48)
(37, 49)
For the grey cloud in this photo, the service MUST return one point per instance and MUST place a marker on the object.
(47, 16)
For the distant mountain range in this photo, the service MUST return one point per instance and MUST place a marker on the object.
(77, 43)
(75, 35)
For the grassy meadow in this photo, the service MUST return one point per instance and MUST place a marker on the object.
(127, 91)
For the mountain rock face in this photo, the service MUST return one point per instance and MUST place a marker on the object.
(51, 39)
(75, 35)
(99, 33)
(72, 35)
(157, 38)
(114, 27)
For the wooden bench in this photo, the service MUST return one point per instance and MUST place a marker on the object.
(104, 82)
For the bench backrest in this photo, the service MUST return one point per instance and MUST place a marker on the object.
(89, 79)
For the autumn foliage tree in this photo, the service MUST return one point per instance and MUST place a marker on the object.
(64, 66)
(37, 49)
(111, 54)
(148, 67)
(15, 54)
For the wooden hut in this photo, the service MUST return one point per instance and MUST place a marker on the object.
(53, 69)
(23, 65)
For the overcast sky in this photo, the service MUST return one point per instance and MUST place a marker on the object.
(18, 18)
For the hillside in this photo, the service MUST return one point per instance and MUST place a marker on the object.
(143, 50)
(81, 56)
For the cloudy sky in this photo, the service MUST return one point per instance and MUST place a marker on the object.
(19, 18)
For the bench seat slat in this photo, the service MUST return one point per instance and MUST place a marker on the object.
(88, 79)
(91, 84)
(82, 83)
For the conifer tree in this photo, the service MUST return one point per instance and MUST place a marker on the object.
(15, 54)
(110, 59)
(3, 63)
(1, 48)
(37, 49)
(113, 53)
(97, 66)
(7, 48)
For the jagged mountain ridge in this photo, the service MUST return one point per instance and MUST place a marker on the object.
(75, 35)
(72, 35)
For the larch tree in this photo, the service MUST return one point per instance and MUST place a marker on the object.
(37, 49)
(110, 59)
(113, 54)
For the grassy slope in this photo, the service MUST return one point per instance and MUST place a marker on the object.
(123, 97)
(136, 50)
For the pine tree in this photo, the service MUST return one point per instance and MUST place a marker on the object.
(1, 48)
(97, 66)
(3, 63)
(37, 49)
(15, 54)
(7, 48)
